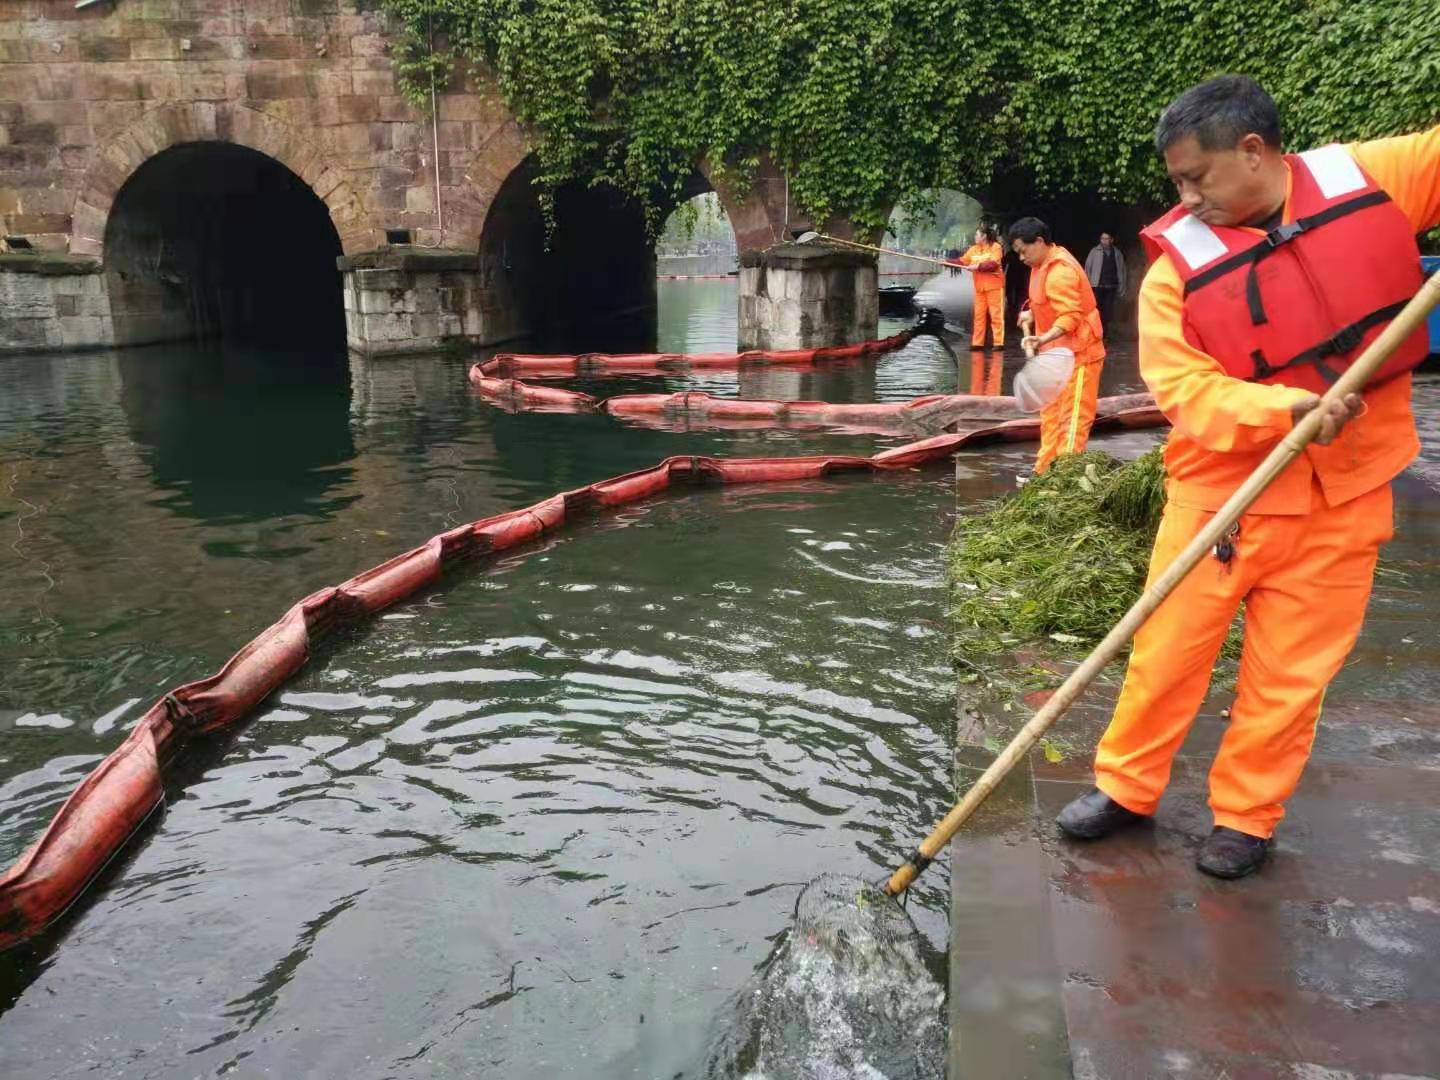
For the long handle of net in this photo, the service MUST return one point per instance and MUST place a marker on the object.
(888, 251)
(1410, 319)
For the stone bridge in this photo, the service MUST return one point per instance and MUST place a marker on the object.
(181, 168)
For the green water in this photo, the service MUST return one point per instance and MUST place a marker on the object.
(544, 819)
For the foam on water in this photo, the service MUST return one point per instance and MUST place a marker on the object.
(846, 994)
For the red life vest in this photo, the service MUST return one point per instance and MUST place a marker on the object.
(1297, 305)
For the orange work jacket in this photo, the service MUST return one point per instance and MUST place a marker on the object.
(1224, 426)
(1060, 295)
(985, 280)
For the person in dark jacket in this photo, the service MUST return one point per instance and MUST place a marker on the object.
(1105, 267)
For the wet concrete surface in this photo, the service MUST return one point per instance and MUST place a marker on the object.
(1120, 960)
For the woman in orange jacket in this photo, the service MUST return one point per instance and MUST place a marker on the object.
(1063, 306)
(983, 258)
(1302, 559)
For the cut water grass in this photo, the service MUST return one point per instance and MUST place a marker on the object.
(1060, 561)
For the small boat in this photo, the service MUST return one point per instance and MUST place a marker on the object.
(897, 299)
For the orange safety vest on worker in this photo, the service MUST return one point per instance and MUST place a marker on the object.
(1301, 560)
(989, 294)
(1060, 295)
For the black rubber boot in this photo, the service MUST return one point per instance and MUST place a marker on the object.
(1094, 815)
(1229, 853)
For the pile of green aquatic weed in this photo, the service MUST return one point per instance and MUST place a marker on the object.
(1061, 560)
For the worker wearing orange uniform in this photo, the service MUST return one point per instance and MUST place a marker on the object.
(1303, 558)
(983, 258)
(1062, 305)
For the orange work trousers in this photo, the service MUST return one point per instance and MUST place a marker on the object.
(1066, 422)
(986, 373)
(1305, 581)
(989, 307)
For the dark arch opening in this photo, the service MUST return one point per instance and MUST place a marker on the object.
(213, 240)
(593, 288)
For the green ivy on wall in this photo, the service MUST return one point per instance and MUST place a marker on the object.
(866, 106)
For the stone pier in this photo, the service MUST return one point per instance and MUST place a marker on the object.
(52, 301)
(804, 296)
(414, 300)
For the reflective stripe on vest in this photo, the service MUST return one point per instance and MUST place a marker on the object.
(1334, 170)
(1278, 306)
(1194, 241)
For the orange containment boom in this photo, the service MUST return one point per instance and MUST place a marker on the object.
(497, 382)
(569, 365)
(693, 409)
(117, 797)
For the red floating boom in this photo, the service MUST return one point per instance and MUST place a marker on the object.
(111, 804)
(495, 380)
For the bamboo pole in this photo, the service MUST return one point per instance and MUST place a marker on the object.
(888, 251)
(1410, 319)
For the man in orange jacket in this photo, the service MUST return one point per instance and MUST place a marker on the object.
(983, 258)
(1270, 276)
(1065, 316)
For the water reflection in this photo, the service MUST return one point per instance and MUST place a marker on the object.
(240, 433)
(545, 819)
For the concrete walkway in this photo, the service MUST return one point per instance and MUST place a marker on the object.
(1119, 960)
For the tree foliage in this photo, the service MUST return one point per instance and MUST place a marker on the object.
(947, 221)
(697, 226)
(865, 106)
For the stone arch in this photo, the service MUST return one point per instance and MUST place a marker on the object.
(589, 283)
(765, 215)
(298, 149)
(496, 160)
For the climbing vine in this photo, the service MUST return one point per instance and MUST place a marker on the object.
(864, 106)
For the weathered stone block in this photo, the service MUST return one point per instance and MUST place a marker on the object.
(359, 109)
(37, 223)
(385, 327)
(381, 279)
(201, 86)
(20, 334)
(83, 330)
(424, 301)
(278, 47)
(100, 49)
(155, 49)
(269, 87)
(376, 302)
(60, 113)
(98, 305)
(84, 245)
(396, 108)
(35, 133)
(369, 45)
(375, 84)
(27, 296)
